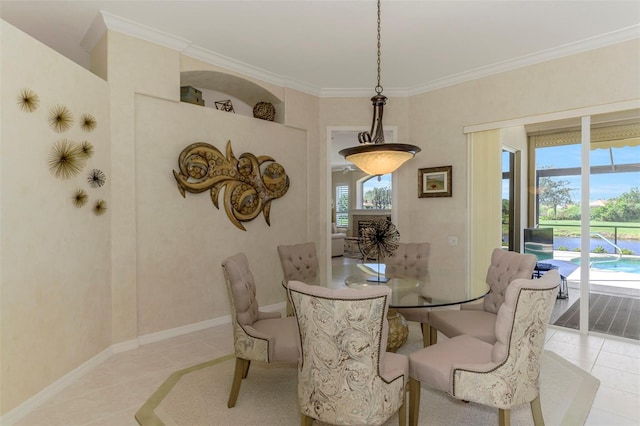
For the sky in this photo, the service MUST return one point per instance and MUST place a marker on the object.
(384, 182)
(603, 186)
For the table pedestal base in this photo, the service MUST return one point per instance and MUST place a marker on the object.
(398, 330)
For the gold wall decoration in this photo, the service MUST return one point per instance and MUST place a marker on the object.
(86, 148)
(60, 118)
(88, 122)
(248, 189)
(28, 100)
(65, 159)
(100, 207)
(80, 197)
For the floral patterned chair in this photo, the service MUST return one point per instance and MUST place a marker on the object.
(501, 375)
(478, 319)
(345, 377)
(257, 335)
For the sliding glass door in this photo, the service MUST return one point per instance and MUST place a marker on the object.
(586, 181)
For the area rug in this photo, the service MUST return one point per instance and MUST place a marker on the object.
(614, 315)
(198, 396)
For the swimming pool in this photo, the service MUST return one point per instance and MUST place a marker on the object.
(630, 265)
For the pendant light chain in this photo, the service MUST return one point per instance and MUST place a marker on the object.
(373, 156)
(378, 88)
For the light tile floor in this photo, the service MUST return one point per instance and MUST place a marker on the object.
(110, 394)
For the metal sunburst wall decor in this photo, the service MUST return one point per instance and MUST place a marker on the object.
(248, 190)
(68, 158)
(65, 159)
(28, 100)
(88, 122)
(100, 207)
(60, 118)
(86, 148)
(80, 197)
(96, 178)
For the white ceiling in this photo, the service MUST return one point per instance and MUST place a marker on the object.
(328, 48)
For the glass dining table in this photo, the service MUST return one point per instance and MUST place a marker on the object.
(407, 292)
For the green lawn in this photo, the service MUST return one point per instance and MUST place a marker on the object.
(571, 228)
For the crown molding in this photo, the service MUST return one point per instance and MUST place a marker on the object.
(133, 29)
(614, 37)
(247, 70)
(93, 34)
(112, 22)
(361, 92)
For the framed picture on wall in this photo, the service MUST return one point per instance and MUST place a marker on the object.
(434, 182)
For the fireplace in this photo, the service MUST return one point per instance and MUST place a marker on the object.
(360, 220)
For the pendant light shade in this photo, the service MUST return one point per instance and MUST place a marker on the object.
(373, 155)
(380, 159)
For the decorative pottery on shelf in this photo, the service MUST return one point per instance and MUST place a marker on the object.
(264, 111)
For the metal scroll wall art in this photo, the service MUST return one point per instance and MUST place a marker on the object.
(249, 190)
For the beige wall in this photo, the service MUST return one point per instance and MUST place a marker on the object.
(73, 284)
(302, 112)
(437, 119)
(55, 263)
(182, 241)
(134, 66)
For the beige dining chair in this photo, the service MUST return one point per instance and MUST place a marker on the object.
(345, 377)
(300, 263)
(502, 375)
(478, 319)
(411, 260)
(257, 335)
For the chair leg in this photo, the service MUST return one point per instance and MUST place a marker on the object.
(402, 413)
(242, 365)
(504, 417)
(536, 410)
(426, 333)
(245, 373)
(289, 307)
(414, 401)
(433, 335)
(306, 420)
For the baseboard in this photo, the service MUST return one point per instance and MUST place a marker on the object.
(45, 394)
(125, 346)
(185, 329)
(15, 415)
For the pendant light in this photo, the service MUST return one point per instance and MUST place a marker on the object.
(373, 155)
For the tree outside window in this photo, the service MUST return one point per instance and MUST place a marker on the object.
(376, 193)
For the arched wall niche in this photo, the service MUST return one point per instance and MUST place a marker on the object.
(236, 87)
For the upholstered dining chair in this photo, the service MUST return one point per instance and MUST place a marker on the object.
(300, 263)
(411, 260)
(502, 375)
(478, 319)
(257, 335)
(345, 377)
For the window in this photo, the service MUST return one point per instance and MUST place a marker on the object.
(376, 192)
(342, 206)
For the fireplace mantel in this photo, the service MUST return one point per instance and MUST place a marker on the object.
(365, 216)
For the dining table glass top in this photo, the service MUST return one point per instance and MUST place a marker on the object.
(410, 292)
